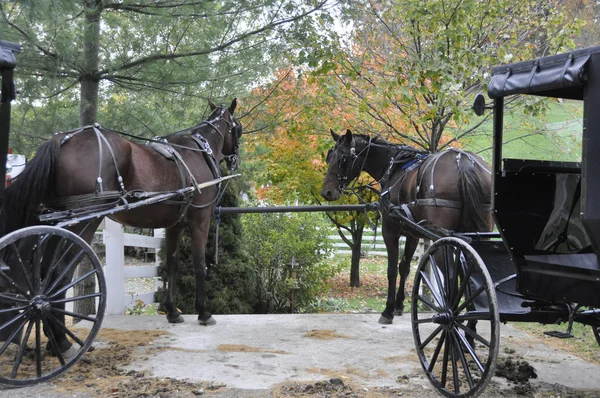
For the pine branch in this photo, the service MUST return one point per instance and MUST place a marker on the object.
(220, 47)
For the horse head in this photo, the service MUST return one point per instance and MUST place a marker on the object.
(345, 160)
(231, 138)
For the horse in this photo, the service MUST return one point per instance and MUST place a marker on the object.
(96, 168)
(448, 191)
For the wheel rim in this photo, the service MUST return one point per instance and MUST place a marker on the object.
(446, 296)
(39, 303)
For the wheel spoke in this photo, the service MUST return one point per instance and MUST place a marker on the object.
(473, 334)
(77, 298)
(22, 269)
(36, 267)
(428, 303)
(448, 257)
(424, 320)
(463, 361)
(463, 285)
(12, 298)
(453, 349)
(431, 337)
(13, 320)
(445, 361)
(74, 315)
(38, 348)
(70, 285)
(54, 343)
(435, 271)
(11, 337)
(66, 270)
(12, 283)
(436, 353)
(13, 309)
(469, 300)
(22, 346)
(470, 350)
(56, 261)
(435, 294)
(66, 330)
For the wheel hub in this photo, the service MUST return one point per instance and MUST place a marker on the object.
(444, 318)
(41, 305)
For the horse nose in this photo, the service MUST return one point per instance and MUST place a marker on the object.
(327, 194)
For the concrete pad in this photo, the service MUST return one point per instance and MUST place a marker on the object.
(252, 354)
(373, 355)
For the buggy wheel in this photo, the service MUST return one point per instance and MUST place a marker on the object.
(455, 320)
(42, 330)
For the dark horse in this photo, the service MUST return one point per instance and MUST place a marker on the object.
(449, 191)
(93, 167)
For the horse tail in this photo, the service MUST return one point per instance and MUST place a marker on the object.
(475, 192)
(29, 189)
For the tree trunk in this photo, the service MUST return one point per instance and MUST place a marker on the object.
(88, 109)
(357, 235)
(90, 81)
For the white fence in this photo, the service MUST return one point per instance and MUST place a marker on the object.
(370, 246)
(115, 240)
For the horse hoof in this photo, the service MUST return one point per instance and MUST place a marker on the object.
(399, 311)
(209, 322)
(177, 319)
(68, 354)
(385, 321)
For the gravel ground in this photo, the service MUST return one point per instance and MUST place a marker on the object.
(139, 285)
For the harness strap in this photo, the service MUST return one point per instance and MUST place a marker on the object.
(112, 154)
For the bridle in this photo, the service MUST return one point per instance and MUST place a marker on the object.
(232, 131)
(347, 161)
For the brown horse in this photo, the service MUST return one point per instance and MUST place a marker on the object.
(450, 191)
(96, 168)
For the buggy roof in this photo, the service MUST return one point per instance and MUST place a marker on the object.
(562, 75)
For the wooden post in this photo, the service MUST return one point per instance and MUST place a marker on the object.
(114, 269)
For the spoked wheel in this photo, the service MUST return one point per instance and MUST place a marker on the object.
(43, 328)
(455, 318)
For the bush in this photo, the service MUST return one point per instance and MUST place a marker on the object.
(272, 240)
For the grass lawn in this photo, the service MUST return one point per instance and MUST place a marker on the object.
(556, 135)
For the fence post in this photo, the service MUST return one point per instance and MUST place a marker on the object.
(114, 269)
(158, 233)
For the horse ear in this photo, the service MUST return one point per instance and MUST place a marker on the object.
(212, 106)
(348, 136)
(233, 105)
(335, 136)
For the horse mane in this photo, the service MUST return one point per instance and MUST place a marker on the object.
(405, 151)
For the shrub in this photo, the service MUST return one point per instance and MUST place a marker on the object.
(272, 240)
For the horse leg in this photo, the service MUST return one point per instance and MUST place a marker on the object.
(391, 239)
(409, 250)
(199, 238)
(86, 232)
(172, 237)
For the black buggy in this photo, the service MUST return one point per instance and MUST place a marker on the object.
(542, 265)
